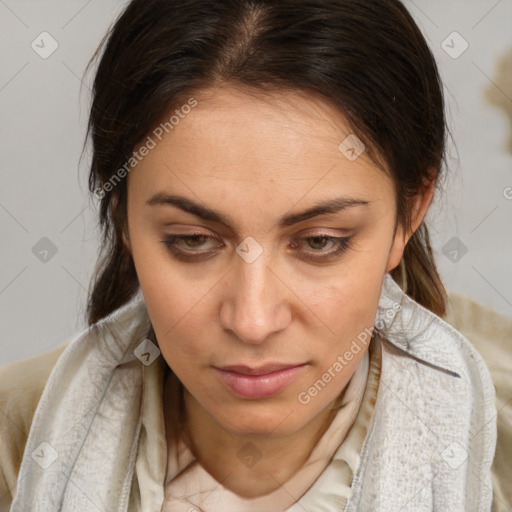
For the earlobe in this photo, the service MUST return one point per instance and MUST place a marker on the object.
(125, 237)
(422, 202)
(397, 249)
(420, 205)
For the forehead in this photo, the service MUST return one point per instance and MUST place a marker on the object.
(231, 138)
(293, 124)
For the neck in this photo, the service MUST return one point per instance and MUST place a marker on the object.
(229, 457)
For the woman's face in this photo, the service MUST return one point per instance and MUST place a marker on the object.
(256, 283)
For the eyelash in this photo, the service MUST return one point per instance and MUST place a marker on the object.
(342, 244)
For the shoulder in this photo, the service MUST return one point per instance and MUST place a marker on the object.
(487, 330)
(490, 333)
(437, 387)
(21, 385)
(430, 338)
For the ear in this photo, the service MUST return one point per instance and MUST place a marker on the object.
(126, 241)
(125, 236)
(420, 204)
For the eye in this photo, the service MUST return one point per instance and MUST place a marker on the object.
(320, 240)
(190, 242)
(187, 247)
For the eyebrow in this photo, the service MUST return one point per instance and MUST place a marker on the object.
(327, 207)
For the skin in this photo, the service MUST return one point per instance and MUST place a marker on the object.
(255, 161)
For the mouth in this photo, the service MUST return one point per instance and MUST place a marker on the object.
(261, 382)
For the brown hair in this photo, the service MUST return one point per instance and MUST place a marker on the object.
(366, 57)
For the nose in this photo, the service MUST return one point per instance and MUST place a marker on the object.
(256, 301)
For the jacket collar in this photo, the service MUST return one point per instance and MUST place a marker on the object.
(413, 330)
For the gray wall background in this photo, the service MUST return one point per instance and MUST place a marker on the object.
(43, 193)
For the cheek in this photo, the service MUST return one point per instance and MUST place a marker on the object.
(349, 303)
(175, 305)
(167, 290)
(177, 319)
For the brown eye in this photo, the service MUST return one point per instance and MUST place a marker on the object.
(319, 242)
(185, 247)
(195, 241)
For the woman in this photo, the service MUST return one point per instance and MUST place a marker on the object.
(265, 322)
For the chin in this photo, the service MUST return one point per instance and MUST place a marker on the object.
(259, 420)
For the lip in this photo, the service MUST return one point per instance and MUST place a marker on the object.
(260, 382)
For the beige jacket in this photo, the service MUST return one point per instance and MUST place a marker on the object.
(22, 382)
